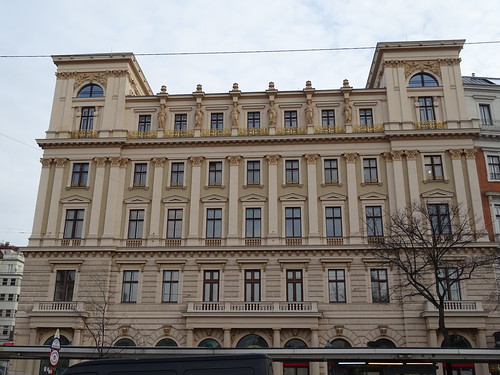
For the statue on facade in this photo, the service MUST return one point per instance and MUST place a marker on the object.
(347, 111)
(162, 116)
(234, 115)
(198, 118)
(273, 114)
(309, 112)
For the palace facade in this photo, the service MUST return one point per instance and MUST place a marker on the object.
(245, 219)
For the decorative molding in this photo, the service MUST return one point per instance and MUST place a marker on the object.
(450, 62)
(61, 162)
(100, 162)
(455, 153)
(100, 78)
(159, 162)
(196, 160)
(350, 157)
(234, 160)
(45, 162)
(411, 154)
(272, 159)
(470, 153)
(311, 158)
(412, 67)
(397, 155)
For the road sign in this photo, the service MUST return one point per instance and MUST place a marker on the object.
(54, 358)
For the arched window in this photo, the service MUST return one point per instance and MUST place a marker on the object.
(252, 341)
(423, 80)
(166, 342)
(90, 91)
(63, 362)
(457, 341)
(295, 344)
(125, 342)
(382, 343)
(296, 367)
(209, 343)
(340, 344)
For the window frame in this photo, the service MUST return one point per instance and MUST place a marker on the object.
(377, 218)
(177, 173)
(440, 221)
(92, 87)
(180, 122)
(379, 294)
(137, 223)
(253, 120)
(336, 281)
(215, 171)
(335, 219)
(217, 121)
(253, 172)
(211, 285)
(290, 119)
(433, 167)
(131, 286)
(87, 116)
(176, 222)
(485, 114)
(254, 221)
(493, 166)
(370, 170)
(291, 221)
(422, 81)
(365, 116)
(294, 285)
(172, 284)
(82, 176)
(140, 174)
(426, 109)
(65, 286)
(214, 223)
(452, 290)
(144, 123)
(328, 118)
(252, 285)
(293, 170)
(76, 223)
(329, 171)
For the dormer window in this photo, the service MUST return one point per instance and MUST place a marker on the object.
(423, 80)
(91, 91)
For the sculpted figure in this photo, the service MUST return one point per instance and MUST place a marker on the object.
(162, 116)
(309, 113)
(198, 118)
(234, 115)
(347, 111)
(273, 115)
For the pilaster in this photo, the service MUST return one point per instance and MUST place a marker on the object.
(95, 214)
(352, 198)
(273, 233)
(41, 201)
(232, 234)
(55, 201)
(154, 228)
(312, 192)
(194, 200)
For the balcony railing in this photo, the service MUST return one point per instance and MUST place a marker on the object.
(84, 134)
(429, 125)
(335, 129)
(59, 306)
(457, 306)
(71, 242)
(375, 128)
(246, 307)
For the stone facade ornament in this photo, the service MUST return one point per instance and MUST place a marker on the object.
(198, 117)
(159, 162)
(412, 67)
(273, 114)
(470, 153)
(61, 162)
(235, 113)
(162, 116)
(309, 113)
(45, 162)
(456, 154)
(347, 111)
(100, 162)
(311, 158)
(411, 154)
(351, 157)
(272, 159)
(196, 160)
(234, 160)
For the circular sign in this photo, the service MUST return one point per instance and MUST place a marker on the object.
(54, 358)
(56, 344)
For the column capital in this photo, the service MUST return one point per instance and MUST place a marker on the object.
(351, 157)
(397, 155)
(234, 160)
(388, 156)
(272, 159)
(45, 162)
(61, 162)
(159, 162)
(455, 153)
(470, 153)
(411, 154)
(196, 160)
(311, 158)
(101, 162)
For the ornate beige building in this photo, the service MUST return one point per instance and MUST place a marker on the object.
(239, 219)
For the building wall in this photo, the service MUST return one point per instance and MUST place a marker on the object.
(398, 139)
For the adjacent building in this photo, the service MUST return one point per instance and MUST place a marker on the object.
(245, 219)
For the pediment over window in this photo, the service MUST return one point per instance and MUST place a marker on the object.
(372, 196)
(253, 198)
(75, 199)
(437, 193)
(293, 197)
(175, 199)
(137, 200)
(213, 198)
(332, 197)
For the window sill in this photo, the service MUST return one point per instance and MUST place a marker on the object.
(331, 184)
(138, 188)
(259, 186)
(432, 181)
(215, 186)
(78, 187)
(181, 187)
(292, 185)
(377, 183)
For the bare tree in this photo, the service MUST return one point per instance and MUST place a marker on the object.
(98, 320)
(432, 247)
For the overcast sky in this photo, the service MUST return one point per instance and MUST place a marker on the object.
(52, 27)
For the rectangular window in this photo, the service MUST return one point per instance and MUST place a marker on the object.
(73, 224)
(135, 224)
(144, 123)
(79, 175)
(253, 217)
(485, 114)
(140, 174)
(214, 223)
(294, 285)
(496, 213)
(253, 120)
(449, 284)
(216, 121)
(180, 122)
(365, 116)
(328, 117)
(12, 282)
(374, 226)
(331, 171)
(170, 286)
(177, 174)
(293, 225)
(433, 167)
(130, 286)
(370, 172)
(253, 172)
(336, 285)
(291, 119)
(439, 216)
(174, 223)
(333, 217)
(252, 285)
(215, 173)
(2, 297)
(210, 286)
(291, 172)
(494, 167)
(5, 281)
(380, 285)
(87, 118)
(65, 284)
(426, 106)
